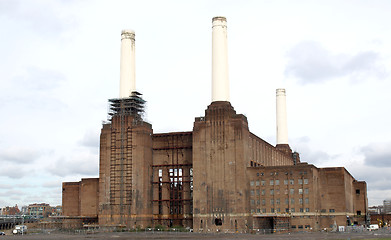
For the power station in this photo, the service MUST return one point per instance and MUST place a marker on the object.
(218, 177)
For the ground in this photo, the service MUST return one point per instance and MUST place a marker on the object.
(178, 235)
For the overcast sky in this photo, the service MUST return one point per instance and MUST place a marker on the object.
(60, 63)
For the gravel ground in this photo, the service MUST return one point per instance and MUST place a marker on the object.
(172, 235)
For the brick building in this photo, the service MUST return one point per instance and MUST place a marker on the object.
(10, 210)
(218, 177)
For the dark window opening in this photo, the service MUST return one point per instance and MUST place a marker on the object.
(300, 226)
(359, 213)
(218, 222)
(357, 191)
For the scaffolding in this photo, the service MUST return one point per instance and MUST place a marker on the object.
(123, 109)
(133, 105)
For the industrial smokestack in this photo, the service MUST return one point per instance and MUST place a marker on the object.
(127, 68)
(220, 83)
(282, 128)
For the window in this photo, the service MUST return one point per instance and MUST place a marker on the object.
(271, 201)
(277, 191)
(252, 201)
(287, 210)
(357, 191)
(286, 182)
(305, 181)
(300, 191)
(292, 191)
(286, 200)
(258, 202)
(271, 191)
(300, 200)
(278, 210)
(300, 226)
(272, 210)
(258, 192)
(307, 200)
(278, 201)
(263, 201)
(359, 213)
(258, 210)
(286, 191)
(292, 181)
(307, 226)
(293, 226)
(219, 222)
(277, 182)
(323, 210)
(252, 183)
(305, 190)
(307, 210)
(263, 182)
(301, 210)
(300, 181)
(292, 209)
(252, 192)
(292, 201)
(264, 210)
(331, 210)
(271, 182)
(261, 173)
(263, 192)
(257, 183)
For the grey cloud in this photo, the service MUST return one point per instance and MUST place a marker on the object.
(307, 154)
(90, 139)
(52, 184)
(5, 186)
(15, 171)
(82, 164)
(377, 178)
(310, 62)
(377, 154)
(19, 155)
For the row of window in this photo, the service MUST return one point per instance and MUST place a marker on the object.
(278, 210)
(273, 182)
(286, 173)
(277, 201)
(300, 226)
(277, 191)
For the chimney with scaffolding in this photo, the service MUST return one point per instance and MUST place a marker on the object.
(126, 150)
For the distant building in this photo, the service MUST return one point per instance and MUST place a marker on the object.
(375, 209)
(57, 210)
(11, 210)
(387, 206)
(39, 210)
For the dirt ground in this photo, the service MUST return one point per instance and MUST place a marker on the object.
(178, 235)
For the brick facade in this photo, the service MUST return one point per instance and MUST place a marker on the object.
(219, 177)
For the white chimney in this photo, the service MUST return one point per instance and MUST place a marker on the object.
(127, 68)
(220, 83)
(282, 128)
